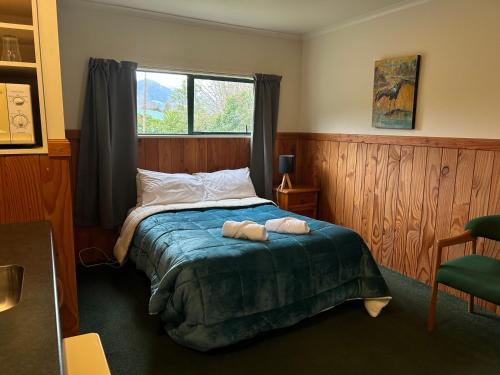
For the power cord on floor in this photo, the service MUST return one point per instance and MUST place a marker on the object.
(110, 262)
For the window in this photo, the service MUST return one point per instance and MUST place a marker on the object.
(162, 106)
(174, 103)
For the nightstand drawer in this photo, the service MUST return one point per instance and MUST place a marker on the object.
(307, 210)
(301, 198)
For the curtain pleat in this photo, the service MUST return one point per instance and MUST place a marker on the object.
(106, 189)
(267, 95)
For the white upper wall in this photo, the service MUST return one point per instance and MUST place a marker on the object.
(329, 77)
(95, 31)
(459, 87)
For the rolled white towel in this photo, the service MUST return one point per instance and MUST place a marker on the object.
(247, 230)
(375, 305)
(287, 225)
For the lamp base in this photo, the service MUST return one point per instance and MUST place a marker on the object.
(285, 182)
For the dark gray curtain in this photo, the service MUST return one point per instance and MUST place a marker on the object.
(265, 123)
(108, 145)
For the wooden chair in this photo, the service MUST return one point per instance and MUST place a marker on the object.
(474, 274)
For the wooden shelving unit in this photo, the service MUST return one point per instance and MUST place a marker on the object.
(14, 66)
(16, 11)
(16, 26)
(19, 18)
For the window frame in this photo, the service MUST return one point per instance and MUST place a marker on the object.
(191, 77)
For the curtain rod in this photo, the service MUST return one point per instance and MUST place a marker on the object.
(180, 70)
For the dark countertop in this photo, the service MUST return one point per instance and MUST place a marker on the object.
(30, 340)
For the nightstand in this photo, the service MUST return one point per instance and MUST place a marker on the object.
(302, 200)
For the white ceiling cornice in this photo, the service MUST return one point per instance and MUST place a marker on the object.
(161, 16)
(364, 18)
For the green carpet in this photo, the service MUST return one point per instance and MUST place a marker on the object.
(344, 340)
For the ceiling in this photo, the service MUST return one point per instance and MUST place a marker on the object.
(285, 16)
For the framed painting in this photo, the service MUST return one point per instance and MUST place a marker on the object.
(395, 92)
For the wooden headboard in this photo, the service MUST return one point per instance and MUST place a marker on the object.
(180, 154)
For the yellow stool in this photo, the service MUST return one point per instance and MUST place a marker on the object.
(84, 355)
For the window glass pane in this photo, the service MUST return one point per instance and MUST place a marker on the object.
(161, 103)
(223, 106)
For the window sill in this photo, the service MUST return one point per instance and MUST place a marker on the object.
(160, 136)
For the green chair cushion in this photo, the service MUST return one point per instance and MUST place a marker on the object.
(474, 274)
(485, 226)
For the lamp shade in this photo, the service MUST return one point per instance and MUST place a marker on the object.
(286, 163)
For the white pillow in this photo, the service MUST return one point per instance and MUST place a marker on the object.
(166, 188)
(227, 184)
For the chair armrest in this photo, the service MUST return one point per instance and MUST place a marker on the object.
(461, 238)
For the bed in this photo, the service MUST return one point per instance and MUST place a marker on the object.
(212, 291)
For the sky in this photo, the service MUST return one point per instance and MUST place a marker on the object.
(165, 79)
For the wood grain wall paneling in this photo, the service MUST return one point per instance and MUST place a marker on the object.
(314, 166)
(447, 176)
(340, 183)
(191, 155)
(195, 154)
(461, 199)
(350, 181)
(390, 207)
(151, 154)
(427, 250)
(227, 153)
(328, 154)
(379, 200)
(369, 193)
(73, 137)
(403, 193)
(415, 211)
(22, 188)
(170, 157)
(399, 254)
(357, 194)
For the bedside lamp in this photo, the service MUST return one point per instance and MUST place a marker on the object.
(286, 164)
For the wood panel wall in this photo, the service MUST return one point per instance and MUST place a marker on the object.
(402, 193)
(191, 155)
(37, 187)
